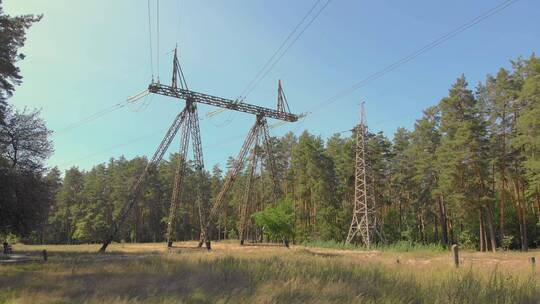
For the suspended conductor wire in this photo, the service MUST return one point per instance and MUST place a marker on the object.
(269, 61)
(416, 53)
(225, 123)
(137, 139)
(287, 48)
(91, 117)
(179, 21)
(157, 38)
(107, 110)
(144, 104)
(363, 82)
(91, 155)
(150, 41)
(102, 112)
(391, 67)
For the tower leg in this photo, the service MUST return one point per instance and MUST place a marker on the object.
(270, 159)
(178, 179)
(137, 188)
(248, 194)
(230, 179)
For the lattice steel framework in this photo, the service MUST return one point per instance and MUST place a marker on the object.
(258, 143)
(364, 219)
(188, 121)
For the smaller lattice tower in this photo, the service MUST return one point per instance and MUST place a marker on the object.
(364, 214)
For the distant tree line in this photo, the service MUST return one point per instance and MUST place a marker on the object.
(468, 173)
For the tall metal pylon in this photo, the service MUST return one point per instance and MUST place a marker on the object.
(187, 120)
(364, 219)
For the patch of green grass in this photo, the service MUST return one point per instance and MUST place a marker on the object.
(332, 245)
(402, 246)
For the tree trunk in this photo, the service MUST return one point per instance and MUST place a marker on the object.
(442, 220)
(226, 232)
(482, 234)
(538, 207)
(451, 229)
(400, 215)
(503, 173)
(219, 232)
(502, 203)
(525, 245)
(521, 217)
(491, 230)
(435, 232)
(422, 228)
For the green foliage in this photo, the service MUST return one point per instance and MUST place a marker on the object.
(12, 38)
(467, 240)
(10, 238)
(528, 128)
(277, 222)
(506, 242)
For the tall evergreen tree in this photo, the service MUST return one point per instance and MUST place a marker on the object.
(12, 38)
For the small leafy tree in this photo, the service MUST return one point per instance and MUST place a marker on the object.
(277, 222)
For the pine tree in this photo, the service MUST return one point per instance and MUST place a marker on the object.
(12, 38)
(462, 160)
(66, 210)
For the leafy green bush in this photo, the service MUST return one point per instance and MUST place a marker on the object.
(10, 238)
(277, 222)
(507, 242)
(467, 240)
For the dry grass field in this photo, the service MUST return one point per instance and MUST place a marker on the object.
(230, 273)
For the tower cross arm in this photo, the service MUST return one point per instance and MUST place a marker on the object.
(229, 104)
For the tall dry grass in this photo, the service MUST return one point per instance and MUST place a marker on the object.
(230, 274)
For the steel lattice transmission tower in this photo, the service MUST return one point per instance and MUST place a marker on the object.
(188, 122)
(364, 219)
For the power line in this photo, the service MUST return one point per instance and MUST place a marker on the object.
(289, 46)
(272, 61)
(150, 40)
(347, 91)
(92, 117)
(179, 21)
(269, 61)
(144, 104)
(411, 56)
(132, 141)
(157, 34)
(137, 139)
(102, 112)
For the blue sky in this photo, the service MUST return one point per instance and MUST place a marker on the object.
(85, 56)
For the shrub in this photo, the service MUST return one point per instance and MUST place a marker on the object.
(277, 222)
(507, 242)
